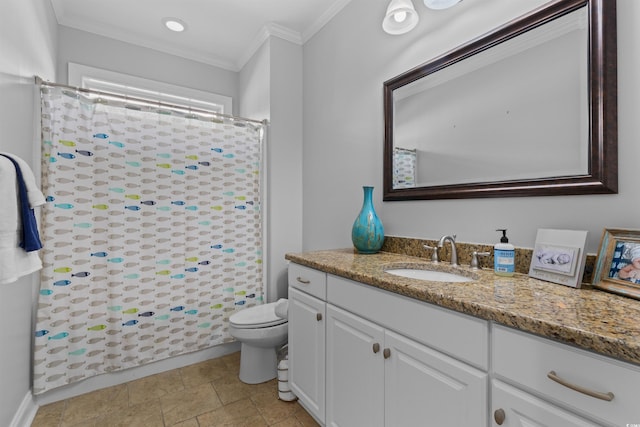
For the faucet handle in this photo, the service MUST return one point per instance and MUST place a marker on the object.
(475, 265)
(434, 253)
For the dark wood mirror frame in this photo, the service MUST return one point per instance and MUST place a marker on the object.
(602, 177)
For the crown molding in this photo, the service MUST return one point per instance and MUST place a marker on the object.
(269, 30)
(327, 16)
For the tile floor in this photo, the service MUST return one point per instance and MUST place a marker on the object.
(201, 395)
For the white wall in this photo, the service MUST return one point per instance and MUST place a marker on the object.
(113, 55)
(253, 82)
(285, 158)
(271, 88)
(28, 43)
(345, 65)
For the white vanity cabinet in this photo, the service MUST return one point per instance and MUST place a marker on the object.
(390, 360)
(381, 372)
(541, 382)
(363, 356)
(307, 310)
(376, 377)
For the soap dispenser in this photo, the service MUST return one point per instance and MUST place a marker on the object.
(504, 256)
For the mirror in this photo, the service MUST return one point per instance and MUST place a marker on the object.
(529, 109)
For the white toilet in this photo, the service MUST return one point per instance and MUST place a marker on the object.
(261, 332)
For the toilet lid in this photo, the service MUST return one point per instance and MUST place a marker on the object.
(260, 316)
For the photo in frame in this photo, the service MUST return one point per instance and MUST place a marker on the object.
(559, 256)
(618, 263)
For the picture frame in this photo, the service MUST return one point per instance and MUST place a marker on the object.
(559, 256)
(618, 264)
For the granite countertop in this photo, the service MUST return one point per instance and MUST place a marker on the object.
(588, 318)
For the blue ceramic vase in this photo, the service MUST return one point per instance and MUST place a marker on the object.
(367, 233)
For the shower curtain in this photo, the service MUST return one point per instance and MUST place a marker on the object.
(404, 167)
(152, 233)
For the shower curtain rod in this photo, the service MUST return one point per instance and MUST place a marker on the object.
(40, 82)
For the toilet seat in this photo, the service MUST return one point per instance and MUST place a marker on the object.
(260, 316)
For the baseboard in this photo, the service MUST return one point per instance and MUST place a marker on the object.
(119, 377)
(26, 412)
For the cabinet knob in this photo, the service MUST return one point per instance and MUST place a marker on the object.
(499, 416)
(376, 347)
(386, 353)
(318, 316)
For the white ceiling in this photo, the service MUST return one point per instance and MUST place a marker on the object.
(223, 33)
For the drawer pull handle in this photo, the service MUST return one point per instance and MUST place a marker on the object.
(318, 316)
(499, 415)
(303, 281)
(386, 353)
(598, 395)
(376, 347)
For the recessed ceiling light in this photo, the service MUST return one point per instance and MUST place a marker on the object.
(174, 24)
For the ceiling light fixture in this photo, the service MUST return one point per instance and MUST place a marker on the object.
(174, 24)
(440, 4)
(401, 17)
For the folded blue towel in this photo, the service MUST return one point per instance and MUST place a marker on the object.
(30, 237)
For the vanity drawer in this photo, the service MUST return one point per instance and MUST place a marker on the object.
(528, 361)
(308, 280)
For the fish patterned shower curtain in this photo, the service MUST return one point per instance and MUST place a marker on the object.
(152, 234)
(404, 167)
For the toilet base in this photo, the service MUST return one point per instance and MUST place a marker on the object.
(257, 364)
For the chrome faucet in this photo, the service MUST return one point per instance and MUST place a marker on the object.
(454, 252)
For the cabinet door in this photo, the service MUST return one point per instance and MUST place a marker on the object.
(307, 351)
(515, 408)
(355, 371)
(426, 387)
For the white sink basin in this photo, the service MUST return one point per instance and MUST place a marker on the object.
(429, 275)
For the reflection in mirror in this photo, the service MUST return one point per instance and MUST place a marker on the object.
(405, 163)
(485, 132)
(514, 113)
